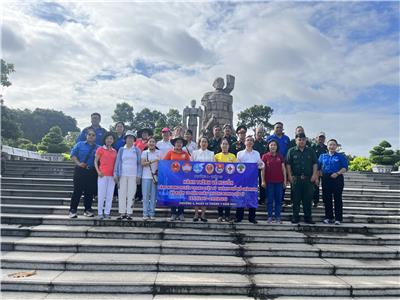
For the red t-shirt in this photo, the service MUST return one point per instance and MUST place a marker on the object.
(141, 144)
(173, 155)
(107, 159)
(273, 167)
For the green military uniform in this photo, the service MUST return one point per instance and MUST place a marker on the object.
(236, 147)
(318, 149)
(301, 163)
(293, 143)
(260, 146)
(215, 145)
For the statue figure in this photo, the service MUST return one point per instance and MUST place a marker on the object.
(190, 115)
(218, 104)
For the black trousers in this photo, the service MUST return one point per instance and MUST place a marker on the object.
(333, 187)
(316, 194)
(261, 189)
(85, 182)
(240, 213)
(226, 210)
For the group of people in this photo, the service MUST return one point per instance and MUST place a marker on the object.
(125, 164)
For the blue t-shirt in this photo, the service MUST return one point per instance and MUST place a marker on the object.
(332, 163)
(100, 132)
(81, 149)
(119, 142)
(283, 143)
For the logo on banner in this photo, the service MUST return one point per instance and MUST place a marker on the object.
(209, 168)
(230, 168)
(175, 167)
(187, 167)
(219, 168)
(198, 168)
(241, 168)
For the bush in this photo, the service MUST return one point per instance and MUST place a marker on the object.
(360, 164)
(53, 141)
(381, 155)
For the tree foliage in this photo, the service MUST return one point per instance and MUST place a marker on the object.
(6, 70)
(53, 141)
(123, 112)
(382, 155)
(360, 164)
(147, 119)
(256, 115)
(174, 118)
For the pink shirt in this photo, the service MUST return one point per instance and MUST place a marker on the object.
(107, 159)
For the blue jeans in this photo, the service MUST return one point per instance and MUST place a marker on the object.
(149, 192)
(274, 198)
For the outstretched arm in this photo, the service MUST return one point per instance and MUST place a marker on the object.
(230, 84)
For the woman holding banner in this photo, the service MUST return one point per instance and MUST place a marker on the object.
(202, 155)
(177, 154)
(249, 155)
(224, 213)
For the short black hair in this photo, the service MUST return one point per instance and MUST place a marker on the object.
(106, 135)
(217, 126)
(278, 123)
(95, 114)
(90, 130)
(189, 132)
(333, 140)
(300, 135)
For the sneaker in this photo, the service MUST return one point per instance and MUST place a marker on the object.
(195, 219)
(311, 222)
(173, 218)
(326, 221)
(253, 221)
(128, 217)
(269, 220)
(145, 218)
(337, 222)
(279, 221)
(72, 215)
(181, 218)
(107, 217)
(100, 217)
(220, 219)
(204, 220)
(152, 218)
(88, 213)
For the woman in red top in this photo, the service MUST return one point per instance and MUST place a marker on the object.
(105, 156)
(177, 154)
(275, 179)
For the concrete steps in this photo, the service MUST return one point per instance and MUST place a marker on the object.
(81, 258)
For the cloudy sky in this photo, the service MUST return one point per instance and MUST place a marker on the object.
(331, 66)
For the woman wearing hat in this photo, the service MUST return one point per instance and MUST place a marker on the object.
(177, 154)
(127, 174)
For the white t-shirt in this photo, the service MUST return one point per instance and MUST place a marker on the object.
(202, 155)
(129, 162)
(164, 147)
(252, 156)
(190, 148)
(150, 155)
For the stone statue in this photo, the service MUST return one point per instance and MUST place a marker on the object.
(190, 116)
(218, 105)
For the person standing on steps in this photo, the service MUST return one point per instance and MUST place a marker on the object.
(150, 158)
(320, 148)
(177, 154)
(119, 135)
(85, 175)
(224, 213)
(202, 155)
(127, 174)
(100, 131)
(302, 170)
(260, 145)
(332, 166)
(104, 163)
(249, 155)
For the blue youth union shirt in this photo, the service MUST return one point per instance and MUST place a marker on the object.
(332, 163)
(81, 149)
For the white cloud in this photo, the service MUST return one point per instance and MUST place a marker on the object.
(274, 50)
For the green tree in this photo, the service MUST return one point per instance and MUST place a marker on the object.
(26, 144)
(360, 164)
(123, 112)
(10, 127)
(53, 141)
(382, 155)
(6, 70)
(174, 118)
(147, 119)
(256, 115)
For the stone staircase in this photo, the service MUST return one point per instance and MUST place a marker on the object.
(109, 259)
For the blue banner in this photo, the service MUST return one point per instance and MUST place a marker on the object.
(211, 184)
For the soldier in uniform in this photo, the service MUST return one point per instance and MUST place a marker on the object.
(299, 129)
(319, 148)
(260, 145)
(215, 142)
(302, 170)
(239, 144)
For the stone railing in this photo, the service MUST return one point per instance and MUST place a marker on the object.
(12, 153)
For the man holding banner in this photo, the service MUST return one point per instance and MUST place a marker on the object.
(249, 155)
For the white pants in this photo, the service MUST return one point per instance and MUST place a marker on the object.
(126, 193)
(105, 186)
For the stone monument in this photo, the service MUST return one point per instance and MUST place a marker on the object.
(218, 105)
(192, 117)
